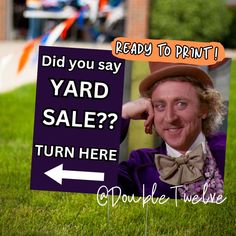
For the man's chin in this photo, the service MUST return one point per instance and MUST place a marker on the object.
(176, 143)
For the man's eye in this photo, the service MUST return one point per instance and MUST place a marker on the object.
(181, 105)
(159, 107)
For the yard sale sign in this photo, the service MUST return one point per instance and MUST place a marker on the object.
(77, 120)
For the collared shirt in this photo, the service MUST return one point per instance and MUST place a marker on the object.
(201, 139)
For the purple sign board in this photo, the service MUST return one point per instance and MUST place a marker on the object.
(77, 120)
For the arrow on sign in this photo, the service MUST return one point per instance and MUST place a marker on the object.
(57, 173)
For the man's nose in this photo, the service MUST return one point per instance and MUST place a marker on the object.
(171, 114)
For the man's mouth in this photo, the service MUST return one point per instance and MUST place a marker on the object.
(174, 130)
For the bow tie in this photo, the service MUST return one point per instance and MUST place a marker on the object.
(181, 170)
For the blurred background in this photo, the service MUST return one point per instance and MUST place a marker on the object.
(98, 20)
(102, 20)
(24, 25)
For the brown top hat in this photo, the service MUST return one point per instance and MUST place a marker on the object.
(162, 70)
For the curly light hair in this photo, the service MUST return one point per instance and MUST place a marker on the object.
(209, 96)
(216, 110)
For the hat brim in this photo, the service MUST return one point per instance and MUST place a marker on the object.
(173, 71)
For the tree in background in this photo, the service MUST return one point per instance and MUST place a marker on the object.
(197, 20)
(230, 39)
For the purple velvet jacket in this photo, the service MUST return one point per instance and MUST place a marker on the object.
(140, 168)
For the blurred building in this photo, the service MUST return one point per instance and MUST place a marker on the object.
(13, 25)
(6, 18)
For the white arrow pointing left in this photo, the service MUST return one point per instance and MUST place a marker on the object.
(57, 173)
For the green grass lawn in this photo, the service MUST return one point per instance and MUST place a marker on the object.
(27, 212)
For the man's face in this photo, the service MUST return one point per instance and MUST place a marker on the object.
(177, 113)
